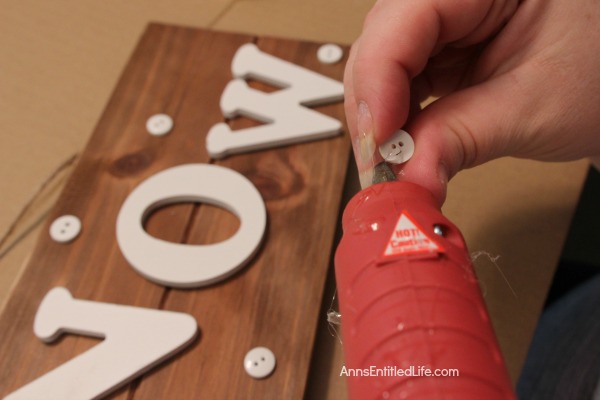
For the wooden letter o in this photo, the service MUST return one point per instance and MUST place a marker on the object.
(185, 265)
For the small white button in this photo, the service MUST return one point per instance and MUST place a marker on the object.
(64, 229)
(259, 362)
(159, 124)
(330, 53)
(398, 149)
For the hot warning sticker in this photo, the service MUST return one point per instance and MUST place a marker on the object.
(408, 238)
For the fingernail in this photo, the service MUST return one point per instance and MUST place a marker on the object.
(365, 133)
(365, 178)
(443, 173)
(365, 120)
(443, 176)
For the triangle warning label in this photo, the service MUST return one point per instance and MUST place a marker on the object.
(408, 238)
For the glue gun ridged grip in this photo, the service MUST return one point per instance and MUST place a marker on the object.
(419, 310)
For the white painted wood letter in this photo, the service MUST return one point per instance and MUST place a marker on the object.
(287, 121)
(135, 340)
(185, 265)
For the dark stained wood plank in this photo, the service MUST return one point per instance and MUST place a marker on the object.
(119, 155)
(274, 301)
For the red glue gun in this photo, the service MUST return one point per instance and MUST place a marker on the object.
(414, 323)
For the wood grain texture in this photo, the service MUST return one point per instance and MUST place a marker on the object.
(274, 301)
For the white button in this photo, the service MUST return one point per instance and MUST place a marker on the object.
(330, 53)
(259, 362)
(64, 229)
(398, 149)
(159, 124)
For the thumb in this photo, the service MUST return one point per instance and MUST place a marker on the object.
(465, 129)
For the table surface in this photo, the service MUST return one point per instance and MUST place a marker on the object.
(61, 62)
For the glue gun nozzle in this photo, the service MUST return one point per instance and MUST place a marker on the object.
(383, 173)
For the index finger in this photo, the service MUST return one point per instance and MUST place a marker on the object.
(398, 38)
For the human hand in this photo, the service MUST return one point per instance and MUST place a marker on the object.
(515, 79)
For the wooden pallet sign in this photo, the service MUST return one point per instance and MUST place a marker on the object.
(195, 246)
